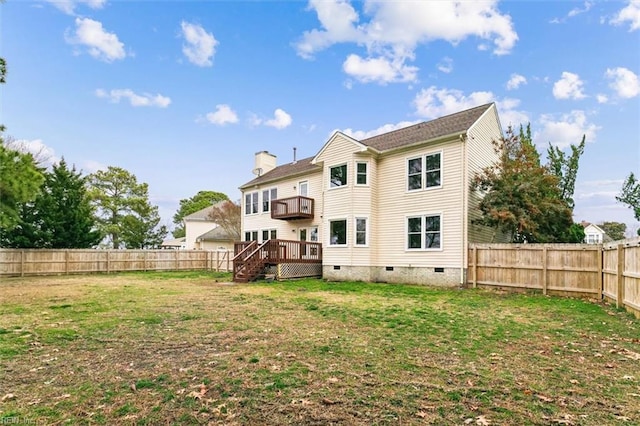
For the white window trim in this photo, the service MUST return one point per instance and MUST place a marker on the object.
(346, 239)
(406, 232)
(355, 231)
(251, 204)
(268, 230)
(423, 186)
(331, 188)
(355, 176)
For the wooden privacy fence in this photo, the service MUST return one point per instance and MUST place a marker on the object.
(610, 271)
(17, 262)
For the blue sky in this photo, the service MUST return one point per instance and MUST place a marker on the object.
(183, 93)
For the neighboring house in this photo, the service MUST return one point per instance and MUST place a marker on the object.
(396, 207)
(593, 234)
(199, 231)
(176, 244)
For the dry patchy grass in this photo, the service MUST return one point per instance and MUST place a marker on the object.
(186, 349)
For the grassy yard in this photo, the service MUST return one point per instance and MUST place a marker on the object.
(187, 348)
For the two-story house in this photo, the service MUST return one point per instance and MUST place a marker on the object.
(396, 207)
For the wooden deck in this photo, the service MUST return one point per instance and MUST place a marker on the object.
(292, 208)
(282, 258)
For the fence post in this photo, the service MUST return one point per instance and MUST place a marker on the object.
(175, 260)
(22, 263)
(66, 262)
(475, 266)
(620, 276)
(108, 266)
(228, 261)
(600, 253)
(144, 260)
(544, 270)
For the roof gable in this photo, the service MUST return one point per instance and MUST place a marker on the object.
(203, 214)
(332, 139)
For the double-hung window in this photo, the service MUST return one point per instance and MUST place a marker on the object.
(424, 232)
(268, 195)
(361, 174)
(338, 176)
(269, 234)
(251, 203)
(424, 172)
(251, 236)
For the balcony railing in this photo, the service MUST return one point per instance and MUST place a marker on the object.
(292, 208)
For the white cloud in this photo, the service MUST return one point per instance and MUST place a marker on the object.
(445, 65)
(624, 82)
(565, 130)
(631, 14)
(380, 70)
(516, 81)
(602, 99)
(364, 134)
(280, 120)
(577, 11)
(44, 155)
(395, 29)
(101, 44)
(69, 6)
(433, 103)
(222, 115)
(568, 87)
(200, 45)
(135, 99)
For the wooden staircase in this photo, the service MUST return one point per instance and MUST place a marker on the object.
(249, 264)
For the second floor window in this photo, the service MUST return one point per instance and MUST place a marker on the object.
(338, 176)
(268, 195)
(361, 173)
(251, 203)
(424, 172)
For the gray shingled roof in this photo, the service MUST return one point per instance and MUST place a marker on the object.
(291, 169)
(447, 125)
(216, 234)
(450, 124)
(203, 215)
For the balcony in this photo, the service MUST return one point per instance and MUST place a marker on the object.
(292, 208)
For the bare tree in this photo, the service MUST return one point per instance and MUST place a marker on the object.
(227, 215)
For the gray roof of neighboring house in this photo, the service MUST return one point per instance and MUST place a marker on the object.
(203, 215)
(450, 124)
(216, 234)
(173, 243)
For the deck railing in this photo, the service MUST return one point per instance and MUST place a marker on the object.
(251, 259)
(292, 208)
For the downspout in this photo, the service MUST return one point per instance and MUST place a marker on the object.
(465, 212)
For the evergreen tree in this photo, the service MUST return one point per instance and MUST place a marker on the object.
(65, 211)
(630, 195)
(124, 214)
(566, 169)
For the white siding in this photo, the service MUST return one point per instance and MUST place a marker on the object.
(395, 203)
(480, 152)
(347, 202)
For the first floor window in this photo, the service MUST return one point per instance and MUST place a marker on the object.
(361, 231)
(269, 234)
(251, 203)
(338, 232)
(251, 236)
(424, 232)
(338, 176)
